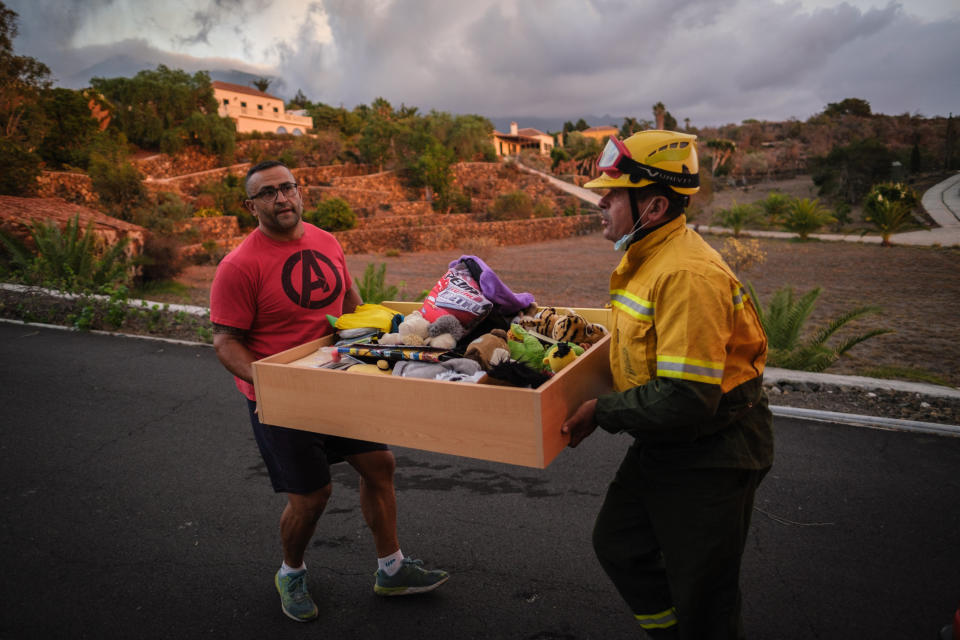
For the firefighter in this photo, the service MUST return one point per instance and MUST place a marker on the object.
(687, 354)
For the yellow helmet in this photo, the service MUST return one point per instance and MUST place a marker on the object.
(654, 156)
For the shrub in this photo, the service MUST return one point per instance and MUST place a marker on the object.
(208, 212)
(69, 259)
(741, 255)
(372, 286)
(544, 209)
(161, 258)
(119, 185)
(333, 214)
(804, 216)
(511, 206)
(783, 320)
(737, 217)
(19, 169)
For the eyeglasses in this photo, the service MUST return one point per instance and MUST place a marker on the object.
(269, 194)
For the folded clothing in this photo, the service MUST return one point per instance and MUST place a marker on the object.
(459, 368)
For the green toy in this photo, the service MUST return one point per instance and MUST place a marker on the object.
(525, 348)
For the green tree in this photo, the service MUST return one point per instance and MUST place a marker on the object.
(262, 84)
(19, 169)
(669, 122)
(22, 79)
(70, 131)
(469, 138)
(804, 216)
(22, 82)
(848, 172)
(849, 106)
(299, 101)
(152, 108)
(790, 346)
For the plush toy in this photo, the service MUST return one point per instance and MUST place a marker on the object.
(575, 328)
(543, 320)
(562, 325)
(413, 331)
(560, 355)
(445, 332)
(514, 374)
(525, 348)
(490, 349)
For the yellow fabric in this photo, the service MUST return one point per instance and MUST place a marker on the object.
(678, 311)
(375, 316)
(662, 620)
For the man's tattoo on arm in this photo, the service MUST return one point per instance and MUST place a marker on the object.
(233, 331)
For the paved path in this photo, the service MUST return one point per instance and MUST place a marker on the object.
(942, 202)
(136, 506)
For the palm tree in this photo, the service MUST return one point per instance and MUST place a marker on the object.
(737, 217)
(659, 113)
(783, 321)
(774, 206)
(804, 216)
(722, 149)
(889, 207)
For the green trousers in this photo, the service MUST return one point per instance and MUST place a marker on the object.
(671, 542)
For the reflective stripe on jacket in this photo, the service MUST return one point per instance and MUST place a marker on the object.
(679, 312)
(687, 353)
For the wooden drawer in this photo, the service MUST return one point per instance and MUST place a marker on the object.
(502, 424)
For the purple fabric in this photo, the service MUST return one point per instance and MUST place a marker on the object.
(494, 290)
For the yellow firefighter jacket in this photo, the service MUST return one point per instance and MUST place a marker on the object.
(687, 353)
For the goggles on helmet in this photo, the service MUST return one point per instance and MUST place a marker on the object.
(615, 160)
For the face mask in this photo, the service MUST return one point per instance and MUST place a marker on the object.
(627, 238)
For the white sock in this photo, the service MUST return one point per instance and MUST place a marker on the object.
(287, 569)
(391, 563)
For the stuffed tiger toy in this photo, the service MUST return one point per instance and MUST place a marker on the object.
(563, 325)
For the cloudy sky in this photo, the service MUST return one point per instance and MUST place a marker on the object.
(712, 62)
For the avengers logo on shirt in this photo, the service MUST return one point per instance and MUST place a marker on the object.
(310, 280)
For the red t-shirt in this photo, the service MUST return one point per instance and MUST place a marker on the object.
(280, 292)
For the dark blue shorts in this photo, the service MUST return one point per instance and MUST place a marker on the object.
(299, 461)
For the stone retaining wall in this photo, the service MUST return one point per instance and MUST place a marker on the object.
(72, 187)
(218, 228)
(328, 174)
(452, 235)
(190, 184)
(190, 160)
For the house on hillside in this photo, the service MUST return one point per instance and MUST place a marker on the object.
(601, 133)
(255, 110)
(511, 144)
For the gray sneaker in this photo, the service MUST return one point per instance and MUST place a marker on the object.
(295, 600)
(411, 578)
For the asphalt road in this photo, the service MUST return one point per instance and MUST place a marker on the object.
(134, 504)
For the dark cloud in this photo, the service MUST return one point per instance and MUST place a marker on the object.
(711, 62)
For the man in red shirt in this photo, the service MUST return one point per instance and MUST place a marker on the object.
(271, 293)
